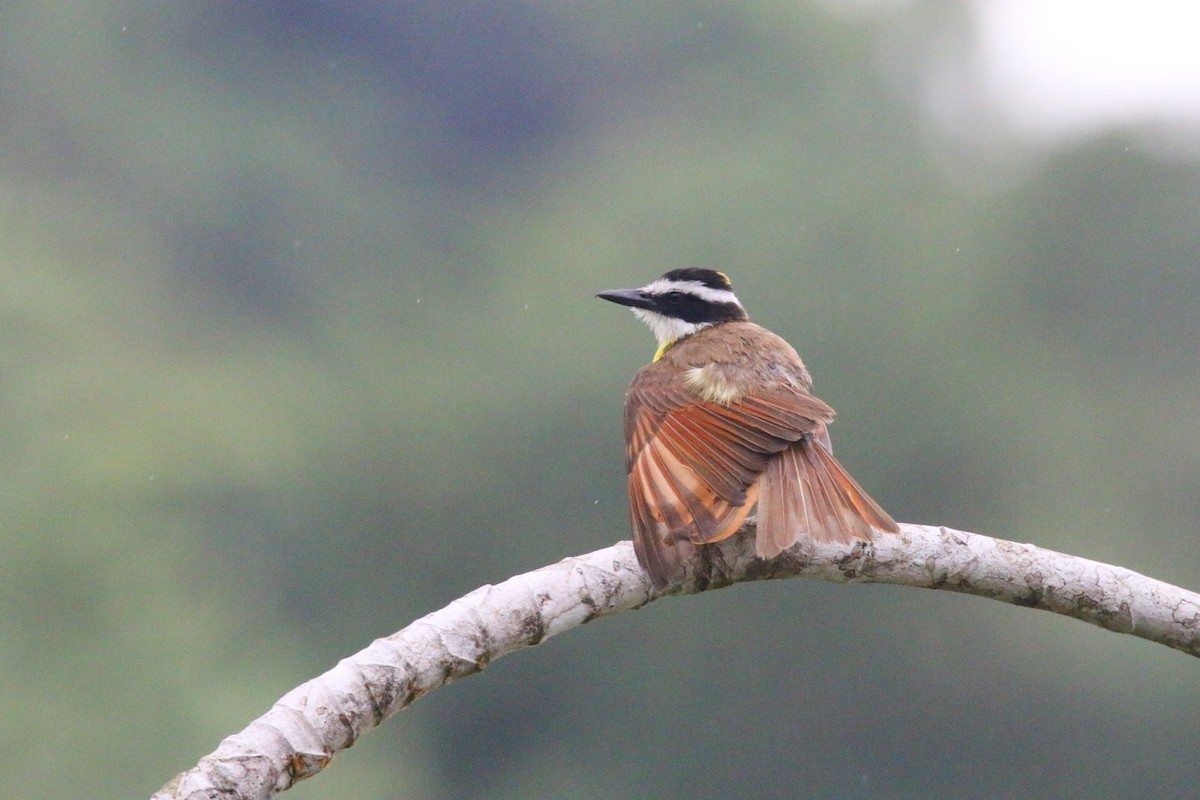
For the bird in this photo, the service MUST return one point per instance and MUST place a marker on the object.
(722, 419)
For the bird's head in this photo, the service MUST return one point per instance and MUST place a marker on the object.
(680, 303)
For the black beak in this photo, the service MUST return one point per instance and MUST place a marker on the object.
(634, 298)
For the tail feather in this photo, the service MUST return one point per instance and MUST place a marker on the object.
(777, 510)
(805, 493)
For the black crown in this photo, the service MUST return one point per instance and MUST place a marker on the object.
(708, 277)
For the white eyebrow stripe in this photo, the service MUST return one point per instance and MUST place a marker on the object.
(694, 288)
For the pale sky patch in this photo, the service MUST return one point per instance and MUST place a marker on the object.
(1062, 66)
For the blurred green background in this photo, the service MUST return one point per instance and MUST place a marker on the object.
(299, 344)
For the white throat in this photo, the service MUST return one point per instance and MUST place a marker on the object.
(668, 330)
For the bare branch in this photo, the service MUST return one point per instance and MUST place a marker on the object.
(310, 724)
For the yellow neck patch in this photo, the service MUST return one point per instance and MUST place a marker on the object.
(662, 348)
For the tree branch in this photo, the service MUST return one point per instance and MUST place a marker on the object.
(304, 730)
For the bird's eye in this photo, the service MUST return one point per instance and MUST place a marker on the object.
(674, 298)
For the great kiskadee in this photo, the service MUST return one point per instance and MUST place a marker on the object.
(721, 419)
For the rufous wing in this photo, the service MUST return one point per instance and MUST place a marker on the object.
(694, 465)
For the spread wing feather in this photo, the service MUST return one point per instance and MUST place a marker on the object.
(727, 470)
(694, 465)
